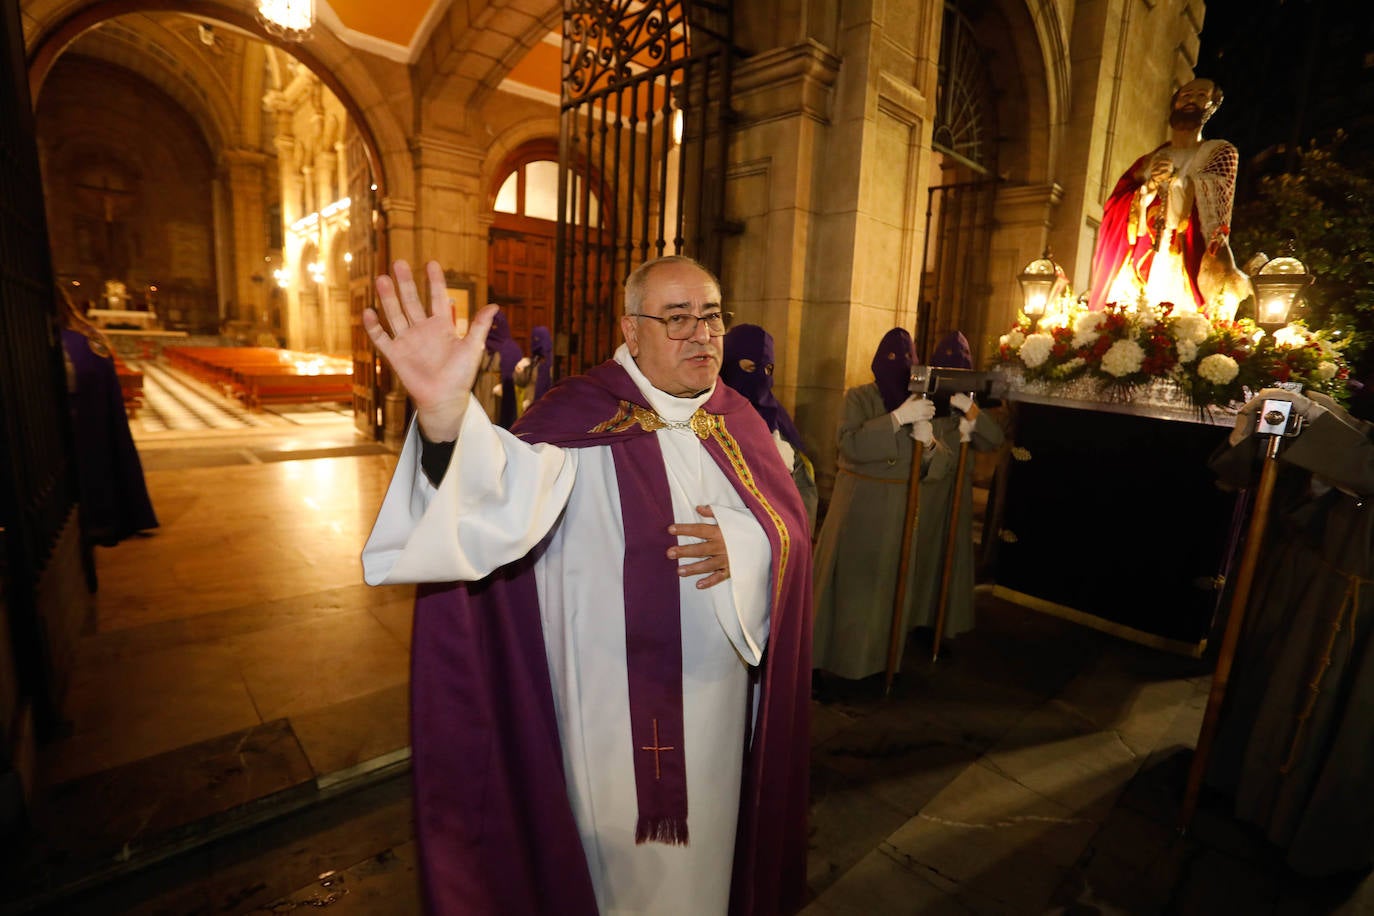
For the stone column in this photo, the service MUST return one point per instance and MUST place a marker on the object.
(341, 171)
(449, 194)
(290, 177)
(248, 212)
(399, 216)
(782, 98)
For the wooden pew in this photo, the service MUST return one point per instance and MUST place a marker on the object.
(292, 387)
(130, 386)
(267, 375)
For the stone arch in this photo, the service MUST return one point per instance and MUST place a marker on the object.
(472, 51)
(212, 109)
(325, 54)
(1053, 42)
(505, 145)
(1026, 50)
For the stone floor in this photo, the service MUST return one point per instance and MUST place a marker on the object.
(238, 737)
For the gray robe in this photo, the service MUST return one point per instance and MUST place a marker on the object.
(1295, 741)
(932, 531)
(857, 551)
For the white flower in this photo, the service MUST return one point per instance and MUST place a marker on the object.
(1192, 327)
(1290, 336)
(1123, 358)
(1036, 350)
(1014, 338)
(1187, 350)
(1219, 369)
(1085, 328)
(1326, 370)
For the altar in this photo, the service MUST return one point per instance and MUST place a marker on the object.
(126, 319)
(1105, 513)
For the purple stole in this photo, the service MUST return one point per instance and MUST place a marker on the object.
(494, 824)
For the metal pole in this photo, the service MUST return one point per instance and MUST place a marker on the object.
(951, 542)
(1244, 580)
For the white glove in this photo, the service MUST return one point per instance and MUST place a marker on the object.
(923, 432)
(912, 410)
(966, 425)
(960, 402)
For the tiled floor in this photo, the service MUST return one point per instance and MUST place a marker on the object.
(246, 605)
(1037, 769)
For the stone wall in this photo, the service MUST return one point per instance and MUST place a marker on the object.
(126, 202)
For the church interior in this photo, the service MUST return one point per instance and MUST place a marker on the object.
(212, 715)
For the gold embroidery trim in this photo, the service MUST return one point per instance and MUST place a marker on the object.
(629, 415)
(746, 477)
(704, 426)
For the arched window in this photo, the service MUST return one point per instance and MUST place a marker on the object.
(531, 190)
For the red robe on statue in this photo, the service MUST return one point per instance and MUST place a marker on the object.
(1139, 235)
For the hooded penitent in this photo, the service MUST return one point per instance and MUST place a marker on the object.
(541, 350)
(499, 341)
(751, 342)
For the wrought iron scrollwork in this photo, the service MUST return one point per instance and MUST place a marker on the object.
(643, 135)
(606, 43)
(964, 113)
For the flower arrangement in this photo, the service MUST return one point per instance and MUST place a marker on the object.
(1213, 362)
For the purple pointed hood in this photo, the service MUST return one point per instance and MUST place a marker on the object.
(892, 367)
(953, 352)
(751, 342)
(499, 340)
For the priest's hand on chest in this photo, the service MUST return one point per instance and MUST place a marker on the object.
(437, 367)
(714, 564)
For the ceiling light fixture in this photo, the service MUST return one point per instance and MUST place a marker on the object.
(289, 20)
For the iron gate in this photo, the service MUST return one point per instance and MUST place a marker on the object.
(642, 147)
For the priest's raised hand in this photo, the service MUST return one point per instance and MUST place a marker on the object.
(437, 367)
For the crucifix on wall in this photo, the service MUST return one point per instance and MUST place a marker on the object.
(105, 194)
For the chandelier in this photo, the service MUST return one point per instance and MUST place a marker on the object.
(289, 20)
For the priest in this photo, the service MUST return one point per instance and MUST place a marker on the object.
(611, 648)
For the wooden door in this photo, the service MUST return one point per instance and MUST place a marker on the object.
(367, 369)
(520, 273)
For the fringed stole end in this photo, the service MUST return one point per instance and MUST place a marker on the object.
(671, 831)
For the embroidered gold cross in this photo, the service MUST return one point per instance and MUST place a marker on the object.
(656, 749)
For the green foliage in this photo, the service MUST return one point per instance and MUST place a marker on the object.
(1327, 208)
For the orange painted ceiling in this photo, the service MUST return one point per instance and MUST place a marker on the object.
(395, 21)
(399, 21)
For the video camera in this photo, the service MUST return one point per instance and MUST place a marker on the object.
(938, 383)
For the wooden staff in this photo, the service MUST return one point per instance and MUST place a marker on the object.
(1245, 578)
(951, 544)
(913, 500)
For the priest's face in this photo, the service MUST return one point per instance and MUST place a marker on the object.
(681, 368)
